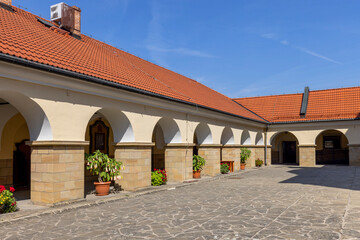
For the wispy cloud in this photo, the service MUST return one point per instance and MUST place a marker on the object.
(272, 36)
(182, 51)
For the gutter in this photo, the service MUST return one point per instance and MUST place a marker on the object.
(80, 76)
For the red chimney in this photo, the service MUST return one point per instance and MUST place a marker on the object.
(77, 20)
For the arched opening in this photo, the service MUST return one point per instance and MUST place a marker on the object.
(332, 148)
(227, 136)
(21, 120)
(99, 134)
(202, 135)
(245, 138)
(165, 131)
(259, 139)
(284, 149)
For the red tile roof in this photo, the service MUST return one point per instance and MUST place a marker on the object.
(331, 104)
(21, 35)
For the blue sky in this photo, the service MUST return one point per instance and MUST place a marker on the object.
(239, 48)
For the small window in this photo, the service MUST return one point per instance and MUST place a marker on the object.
(332, 142)
(99, 137)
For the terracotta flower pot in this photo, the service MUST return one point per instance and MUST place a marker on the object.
(197, 174)
(102, 188)
(242, 166)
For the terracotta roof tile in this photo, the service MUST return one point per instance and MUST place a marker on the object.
(23, 36)
(331, 104)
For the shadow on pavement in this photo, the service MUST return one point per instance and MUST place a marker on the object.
(336, 176)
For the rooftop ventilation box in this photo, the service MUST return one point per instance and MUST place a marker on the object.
(56, 11)
(63, 14)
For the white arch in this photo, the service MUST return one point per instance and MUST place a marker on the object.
(273, 137)
(36, 119)
(227, 136)
(259, 139)
(203, 134)
(120, 124)
(170, 129)
(335, 130)
(245, 138)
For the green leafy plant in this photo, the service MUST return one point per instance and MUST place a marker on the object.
(198, 163)
(103, 166)
(224, 168)
(245, 154)
(259, 162)
(158, 177)
(7, 201)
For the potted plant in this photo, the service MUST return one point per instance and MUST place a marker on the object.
(158, 177)
(259, 162)
(105, 168)
(245, 154)
(7, 201)
(224, 168)
(198, 164)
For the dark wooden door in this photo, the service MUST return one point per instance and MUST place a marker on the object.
(289, 152)
(21, 165)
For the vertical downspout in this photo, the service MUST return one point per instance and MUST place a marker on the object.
(265, 158)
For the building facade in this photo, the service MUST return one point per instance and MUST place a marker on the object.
(63, 94)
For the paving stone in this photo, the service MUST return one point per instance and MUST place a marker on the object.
(278, 202)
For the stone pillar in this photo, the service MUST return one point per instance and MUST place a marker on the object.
(268, 155)
(354, 154)
(6, 172)
(178, 161)
(211, 154)
(307, 155)
(57, 171)
(136, 158)
(231, 152)
(257, 152)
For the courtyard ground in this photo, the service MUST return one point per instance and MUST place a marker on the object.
(278, 202)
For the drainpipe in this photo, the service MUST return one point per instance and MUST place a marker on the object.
(265, 158)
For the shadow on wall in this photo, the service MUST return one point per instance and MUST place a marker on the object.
(327, 176)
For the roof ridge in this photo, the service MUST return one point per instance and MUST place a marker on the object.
(276, 95)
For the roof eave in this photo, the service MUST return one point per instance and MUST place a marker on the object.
(84, 77)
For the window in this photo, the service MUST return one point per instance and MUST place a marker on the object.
(332, 142)
(99, 137)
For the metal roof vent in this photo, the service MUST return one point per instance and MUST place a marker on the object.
(304, 103)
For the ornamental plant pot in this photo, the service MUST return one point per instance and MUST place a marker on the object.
(102, 188)
(197, 174)
(242, 166)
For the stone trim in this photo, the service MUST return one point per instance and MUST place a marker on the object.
(210, 145)
(353, 145)
(307, 145)
(231, 146)
(56, 143)
(253, 146)
(180, 145)
(134, 144)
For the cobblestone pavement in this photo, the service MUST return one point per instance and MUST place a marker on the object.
(279, 202)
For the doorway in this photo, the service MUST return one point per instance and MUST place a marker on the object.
(289, 152)
(21, 165)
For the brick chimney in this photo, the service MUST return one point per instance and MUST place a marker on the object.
(7, 2)
(77, 20)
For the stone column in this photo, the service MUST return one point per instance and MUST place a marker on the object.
(307, 155)
(354, 154)
(211, 153)
(231, 152)
(178, 161)
(257, 151)
(136, 158)
(57, 171)
(268, 155)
